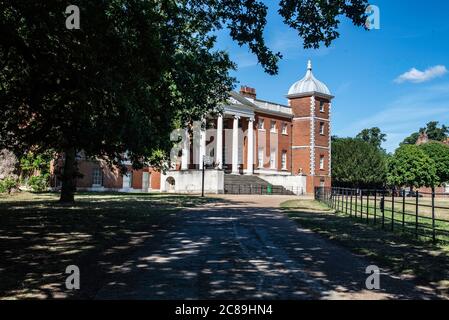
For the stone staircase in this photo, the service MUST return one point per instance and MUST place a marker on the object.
(241, 184)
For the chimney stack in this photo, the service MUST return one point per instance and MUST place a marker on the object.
(248, 92)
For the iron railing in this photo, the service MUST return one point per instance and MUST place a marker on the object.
(262, 189)
(423, 215)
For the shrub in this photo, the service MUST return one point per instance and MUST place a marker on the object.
(8, 185)
(39, 183)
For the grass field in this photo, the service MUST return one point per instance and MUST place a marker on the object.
(40, 237)
(427, 263)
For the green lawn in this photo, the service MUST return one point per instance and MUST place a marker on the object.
(40, 237)
(427, 263)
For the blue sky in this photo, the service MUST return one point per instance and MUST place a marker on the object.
(362, 69)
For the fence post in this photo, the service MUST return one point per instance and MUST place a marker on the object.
(433, 215)
(332, 197)
(342, 191)
(403, 210)
(367, 207)
(342, 199)
(346, 209)
(416, 213)
(375, 205)
(350, 207)
(361, 204)
(382, 208)
(392, 209)
(356, 207)
(339, 200)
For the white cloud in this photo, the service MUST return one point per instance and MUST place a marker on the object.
(416, 76)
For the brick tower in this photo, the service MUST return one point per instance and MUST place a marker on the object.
(311, 103)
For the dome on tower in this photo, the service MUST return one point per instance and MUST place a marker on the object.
(308, 85)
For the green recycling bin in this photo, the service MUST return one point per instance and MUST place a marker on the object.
(269, 189)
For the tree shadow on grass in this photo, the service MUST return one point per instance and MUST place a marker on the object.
(421, 261)
(40, 237)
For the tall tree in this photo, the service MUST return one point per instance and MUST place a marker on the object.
(133, 70)
(373, 136)
(433, 131)
(436, 133)
(411, 166)
(356, 163)
(439, 153)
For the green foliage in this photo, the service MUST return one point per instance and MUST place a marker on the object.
(135, 68)
(412, 139)
(39, 183)
(317, 21)
(7, 185)
(356, 163)
(373, 136)
(434, 132)
(32, 162)
(439, 153)
(411, 166)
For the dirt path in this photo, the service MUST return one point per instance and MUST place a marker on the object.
(245, 248)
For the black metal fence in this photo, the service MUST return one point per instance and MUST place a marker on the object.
(262, 189)
(423, 215)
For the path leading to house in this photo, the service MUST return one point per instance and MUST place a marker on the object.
(243, 247)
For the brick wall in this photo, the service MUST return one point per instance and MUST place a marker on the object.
(283, 140)
(304, 119)
(112, 179)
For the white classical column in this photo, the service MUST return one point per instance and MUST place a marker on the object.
(219, 144)
(250, 155)
(235, 146)
(202, 143)
(185, 151)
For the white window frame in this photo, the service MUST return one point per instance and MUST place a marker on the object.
(273, 126)
(273, 159)
(130, 175)
(261, 124)
(321, 162)
(321, 106)
(97, 176)
(260, 158)
(322, 130)
(285, 128)
(284, 160)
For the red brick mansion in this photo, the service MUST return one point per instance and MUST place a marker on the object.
(286, 145)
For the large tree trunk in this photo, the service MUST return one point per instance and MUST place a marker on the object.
(68, 177)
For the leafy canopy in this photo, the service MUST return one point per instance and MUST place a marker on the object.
(439, 153)
(411, 166)
(373, 136)
(357, 163)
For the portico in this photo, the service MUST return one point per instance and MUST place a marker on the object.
(228, 139)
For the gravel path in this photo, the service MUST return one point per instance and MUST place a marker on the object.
(244, 248)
